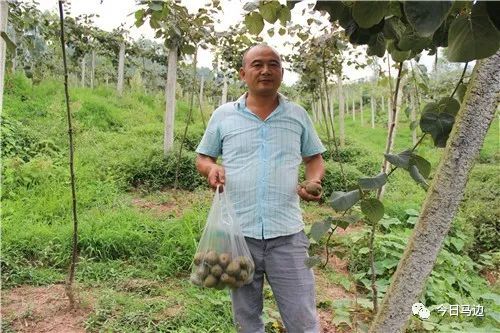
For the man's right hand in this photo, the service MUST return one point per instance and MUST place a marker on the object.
(216, 176)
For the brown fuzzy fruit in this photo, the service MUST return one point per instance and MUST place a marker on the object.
(216, 270)
(198, 258)
(313, 188)
(224, 259)
(243, 275)
(227, 279)
(210, 281)
(211, 258)
(202, 272)
(233, 268)
(195, 279)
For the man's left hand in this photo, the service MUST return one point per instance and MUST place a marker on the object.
(301, 191)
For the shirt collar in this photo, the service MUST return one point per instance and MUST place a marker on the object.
(241, 103)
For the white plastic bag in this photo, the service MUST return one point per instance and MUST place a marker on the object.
(222, 258)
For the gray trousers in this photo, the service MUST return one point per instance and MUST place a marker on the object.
(281, 260)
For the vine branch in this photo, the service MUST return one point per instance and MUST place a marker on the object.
(74, 251)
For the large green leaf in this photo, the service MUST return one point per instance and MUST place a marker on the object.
(411, 41)
(426, 16)
(344, 221)
(417, 176)
(400, 160)
(373, 182)
(423, 166)
(393, 28)
(439, 125)
(341, 201)
(448, 105)
(438, 119)
(376, 45)
(373, 209)
(318, 229)
(285, 15)
(462, 88)
(254, 23)
(368, 13)
(472, 38)
(270, 11)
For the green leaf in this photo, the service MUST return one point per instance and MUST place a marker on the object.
(285, 15)
(412, 212)
(417, 176)
(312, 261)
(156, 5)
(188, 49)
(373, 209)
(374, 182)
(411, 41)
(400, 160)
(254, 23)
(251, 6)
(423, 166)
(368, 13)
(393, 28)
(139, 15)
(376, 45)
(363, 250)
(457, 243)
(472, 38)
(341, 201)
(282, 31)
(270, 11)
(448, 105)
(344, 221)
(426, 16)
(318, 229)
(491, 297)
(438, 124)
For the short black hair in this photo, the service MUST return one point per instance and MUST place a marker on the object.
(255, 46)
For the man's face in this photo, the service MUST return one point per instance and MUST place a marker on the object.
(262, 71)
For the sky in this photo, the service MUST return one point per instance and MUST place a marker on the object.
(112, 13)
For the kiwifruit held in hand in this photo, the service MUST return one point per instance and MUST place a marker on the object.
(311, 187)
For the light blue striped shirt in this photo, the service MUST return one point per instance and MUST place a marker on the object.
(261, 161)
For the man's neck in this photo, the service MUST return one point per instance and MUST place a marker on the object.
(262, 106)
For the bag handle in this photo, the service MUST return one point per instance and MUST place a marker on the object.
(223, 206)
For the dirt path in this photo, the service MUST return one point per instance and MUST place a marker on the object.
(42, 310)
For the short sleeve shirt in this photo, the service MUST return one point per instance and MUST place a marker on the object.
(261, 159)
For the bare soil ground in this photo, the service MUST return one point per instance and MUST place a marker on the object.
(43, 309)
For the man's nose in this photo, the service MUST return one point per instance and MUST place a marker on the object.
(266, 68)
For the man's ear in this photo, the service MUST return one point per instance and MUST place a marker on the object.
(242, 74)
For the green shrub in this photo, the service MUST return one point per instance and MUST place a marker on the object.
(153, 171)
(96, 113)
(481, 208)
(334, 181)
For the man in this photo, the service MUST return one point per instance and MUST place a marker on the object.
(262, 139)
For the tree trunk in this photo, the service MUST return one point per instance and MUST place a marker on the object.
(372, 101)
(413, 117)
(314, 114)
(353, 109)
(391, 125)
(121, 68)
(443, 197)
(202, 82)
(341, 114)
(4, 12)
(332, 98)
(361, 110)
(383, 105)
(83, 71)
(224, 91)
(92, 70)
(168, 134)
